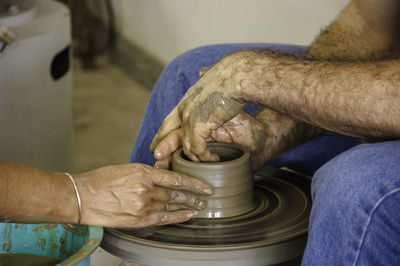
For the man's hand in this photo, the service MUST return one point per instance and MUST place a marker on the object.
(137, 195)
(206, 106)
(243, 129)
(264, 135)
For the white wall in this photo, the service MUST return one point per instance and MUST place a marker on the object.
(167, 28)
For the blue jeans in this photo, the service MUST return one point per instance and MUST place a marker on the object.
(354, 218)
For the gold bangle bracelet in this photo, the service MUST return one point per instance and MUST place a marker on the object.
(77, 197)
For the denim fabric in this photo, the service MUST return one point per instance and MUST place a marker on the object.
(183, 72)
(355, 217)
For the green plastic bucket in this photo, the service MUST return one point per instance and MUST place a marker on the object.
(70, 244)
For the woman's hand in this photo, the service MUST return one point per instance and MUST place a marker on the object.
(137, 195)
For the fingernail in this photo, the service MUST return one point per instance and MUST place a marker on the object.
(190, 215)
(158, 154)
(195, 213)
(208, 191)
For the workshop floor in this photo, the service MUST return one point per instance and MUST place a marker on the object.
(108, 108)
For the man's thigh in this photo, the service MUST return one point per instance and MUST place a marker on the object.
(355, 219)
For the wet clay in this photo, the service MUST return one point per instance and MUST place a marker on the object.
(231, 179)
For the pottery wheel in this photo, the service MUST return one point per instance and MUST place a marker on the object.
(274, 231)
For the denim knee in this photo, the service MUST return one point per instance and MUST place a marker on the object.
(366, 168)
(351, 194)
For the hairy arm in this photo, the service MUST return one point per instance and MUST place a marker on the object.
(365, 29)
(360, 99)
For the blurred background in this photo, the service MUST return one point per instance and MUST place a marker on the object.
(75, 75)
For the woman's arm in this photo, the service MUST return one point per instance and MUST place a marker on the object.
(125, 196)
(29, 195)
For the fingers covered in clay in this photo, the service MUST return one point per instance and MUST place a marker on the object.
(180, 181)
(205, 107)
(163, 217)
(171, 122)
(179, 198)
(195, 144)
(134, 195)
(154, 218)
(169, 144)
(163, 164)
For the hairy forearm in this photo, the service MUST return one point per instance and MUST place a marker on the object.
(364, 31)
(360, 99)
(349, 37)
(28, 195)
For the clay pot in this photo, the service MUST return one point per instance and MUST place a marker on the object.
(231, 179)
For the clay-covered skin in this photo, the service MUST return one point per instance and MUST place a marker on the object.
(200, 111)
(265, 136)
(141, 196)
(243, 129)
(124, 196)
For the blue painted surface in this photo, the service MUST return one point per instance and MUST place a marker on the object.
(72, 245)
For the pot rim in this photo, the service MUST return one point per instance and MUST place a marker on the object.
(243, 159)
